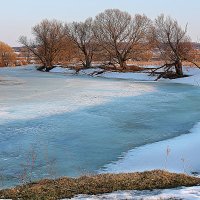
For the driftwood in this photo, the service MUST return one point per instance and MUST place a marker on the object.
(45, 69)
(166, 66)
(97, 72)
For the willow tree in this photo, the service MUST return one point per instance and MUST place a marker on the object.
(7, 55)
(81, 33)
(48, 43)
(174, 44)
(118, 33)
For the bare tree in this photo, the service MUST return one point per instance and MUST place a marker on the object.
(118, 33)
(69, 53)
(82, 35)
(174, 44)
(48, 43)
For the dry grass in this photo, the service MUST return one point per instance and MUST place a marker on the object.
(103, 183)
(146, 63)
(130, 68)
(159, 63)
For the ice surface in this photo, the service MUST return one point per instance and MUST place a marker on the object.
(81, 123)
(47, 96)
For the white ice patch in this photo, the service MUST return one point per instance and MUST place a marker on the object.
(128, 75)
(72, 95)
(185, 193)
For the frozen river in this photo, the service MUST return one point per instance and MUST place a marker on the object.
(55, 125)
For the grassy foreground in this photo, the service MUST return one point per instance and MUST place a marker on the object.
(103, 183)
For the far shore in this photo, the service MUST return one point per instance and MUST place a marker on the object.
(192, 74)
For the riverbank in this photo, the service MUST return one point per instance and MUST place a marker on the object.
(192, 73)
(175, 154)
(99, 184)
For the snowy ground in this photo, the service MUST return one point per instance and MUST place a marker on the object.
(186, 193)
(180, 157)
(63, 70)
(193, 79)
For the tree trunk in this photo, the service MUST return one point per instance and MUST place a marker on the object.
(122, 64)
(179, 68)
(87, 63)
(49, 65)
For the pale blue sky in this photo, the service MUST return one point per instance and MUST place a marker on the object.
(18, 16)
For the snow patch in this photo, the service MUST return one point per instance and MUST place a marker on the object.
(63, 70)
(128, 75)
(191, 80)
(192, 72)
(185, 193)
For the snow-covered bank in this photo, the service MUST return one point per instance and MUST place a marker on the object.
(128, 75)
(63, 70)
(177, 154)
(184, 193)
(193, 79)
(98, 72)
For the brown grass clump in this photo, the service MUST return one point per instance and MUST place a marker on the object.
(130, 68)
(98, 184)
